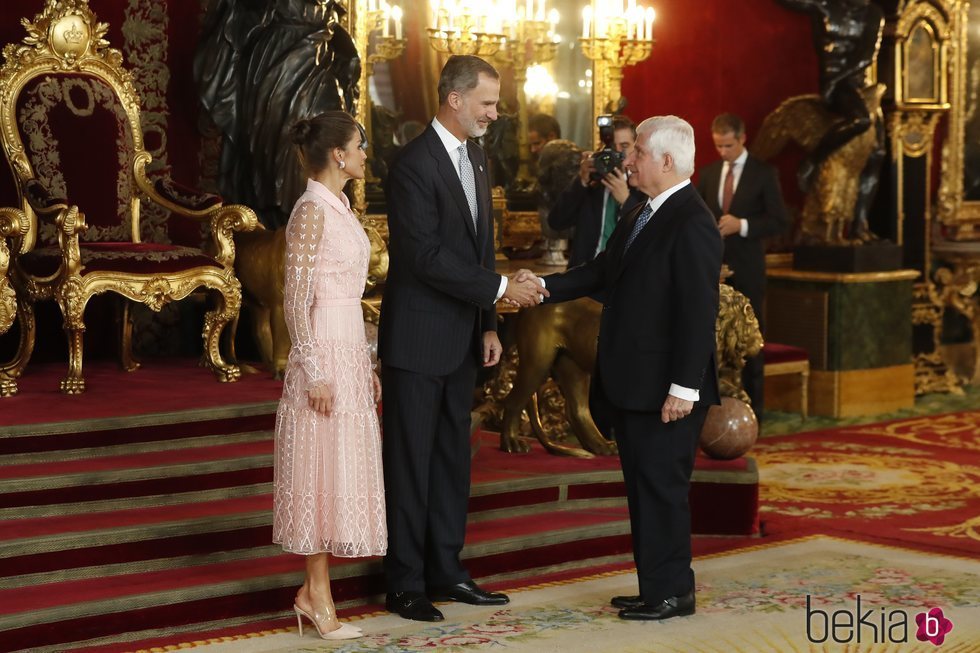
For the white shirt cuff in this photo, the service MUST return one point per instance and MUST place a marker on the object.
(687, 394)
(743, 228)
(501, 290)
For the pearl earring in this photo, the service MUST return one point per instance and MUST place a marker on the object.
(342, 164)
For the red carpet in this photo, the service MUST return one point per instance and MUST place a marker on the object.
(913, 482)
(159, 386)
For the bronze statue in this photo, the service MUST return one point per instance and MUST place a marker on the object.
(846, 36)
(260, 266)
(831, 203)
(558, 164)
(556, 339)
(737, 337)
(261, 65)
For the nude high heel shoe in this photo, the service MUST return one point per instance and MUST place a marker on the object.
(345, 631)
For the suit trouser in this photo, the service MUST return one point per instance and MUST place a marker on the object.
(426, 454)
(657, 461)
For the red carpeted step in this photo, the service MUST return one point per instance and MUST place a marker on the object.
(177, 484)
(74, 436)
(31, 528)
(111, 393)
(109, 463)
(557, 520)
(533, 530)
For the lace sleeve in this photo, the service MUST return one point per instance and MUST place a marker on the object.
(303, 236)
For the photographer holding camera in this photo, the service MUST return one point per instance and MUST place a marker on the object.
(595, 199)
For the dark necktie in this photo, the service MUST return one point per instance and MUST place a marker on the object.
(728, 191)
(641, 221)
(468, 181)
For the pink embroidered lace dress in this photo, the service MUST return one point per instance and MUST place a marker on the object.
(329, 490)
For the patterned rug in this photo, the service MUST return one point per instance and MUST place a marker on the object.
(909, 482)
(753, 600)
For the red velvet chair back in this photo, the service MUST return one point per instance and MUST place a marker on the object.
(77, 138)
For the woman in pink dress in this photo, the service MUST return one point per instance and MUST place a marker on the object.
(329, 489)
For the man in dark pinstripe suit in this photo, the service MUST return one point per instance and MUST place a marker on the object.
(438, 323)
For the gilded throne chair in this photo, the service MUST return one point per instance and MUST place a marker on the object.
(98, 219)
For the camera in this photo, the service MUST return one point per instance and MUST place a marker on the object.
(606, 159)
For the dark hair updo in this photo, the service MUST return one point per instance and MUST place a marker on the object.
(316, 136)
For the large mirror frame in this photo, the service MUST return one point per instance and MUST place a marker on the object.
(958, 207)
(430, 61)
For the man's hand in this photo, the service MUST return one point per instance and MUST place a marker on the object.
(586, 168)
(675, 408)
(618, 185)
(376, 383)
(321, 398)
(524, 289)
(729, 225)
(491, 349)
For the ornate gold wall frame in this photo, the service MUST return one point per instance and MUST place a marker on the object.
(922, 38)
(958, 207)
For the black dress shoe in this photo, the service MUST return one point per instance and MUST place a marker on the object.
(468, 592)
(627, 602)
(412, 605)
(674, 606)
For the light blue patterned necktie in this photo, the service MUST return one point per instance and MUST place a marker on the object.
(641, 221)
(468, 181)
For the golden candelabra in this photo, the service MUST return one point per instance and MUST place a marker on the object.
(464, 28)
(531, 40)
(614, 37)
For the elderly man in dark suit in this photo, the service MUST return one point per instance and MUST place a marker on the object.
(438, 323)
(655, 373)
(743, 193)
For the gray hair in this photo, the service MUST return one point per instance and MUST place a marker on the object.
(462, 73)
(670, 135)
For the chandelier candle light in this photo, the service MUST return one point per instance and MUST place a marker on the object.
(531, 39)
(468, 26)
(615, 34)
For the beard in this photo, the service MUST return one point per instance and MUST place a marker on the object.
(473, 127)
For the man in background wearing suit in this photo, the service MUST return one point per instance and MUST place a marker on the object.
(743, 193)
(655, 373)
(438, 323)
(593, 207)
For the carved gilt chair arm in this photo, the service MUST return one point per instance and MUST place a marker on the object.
(224, 221)
(13, 223)
(70, 220)
(197, 205)
(161, 189)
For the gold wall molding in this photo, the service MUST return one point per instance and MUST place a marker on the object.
(953, 210)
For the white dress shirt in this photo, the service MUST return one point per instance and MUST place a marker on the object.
(451, 143)
(743, 228)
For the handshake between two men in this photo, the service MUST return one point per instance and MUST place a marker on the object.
(524, 288)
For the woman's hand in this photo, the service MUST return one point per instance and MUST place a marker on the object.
(377, 387)
(321, 398)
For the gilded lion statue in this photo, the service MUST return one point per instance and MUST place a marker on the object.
(560, 340)
(737, 337)
(260, 267)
